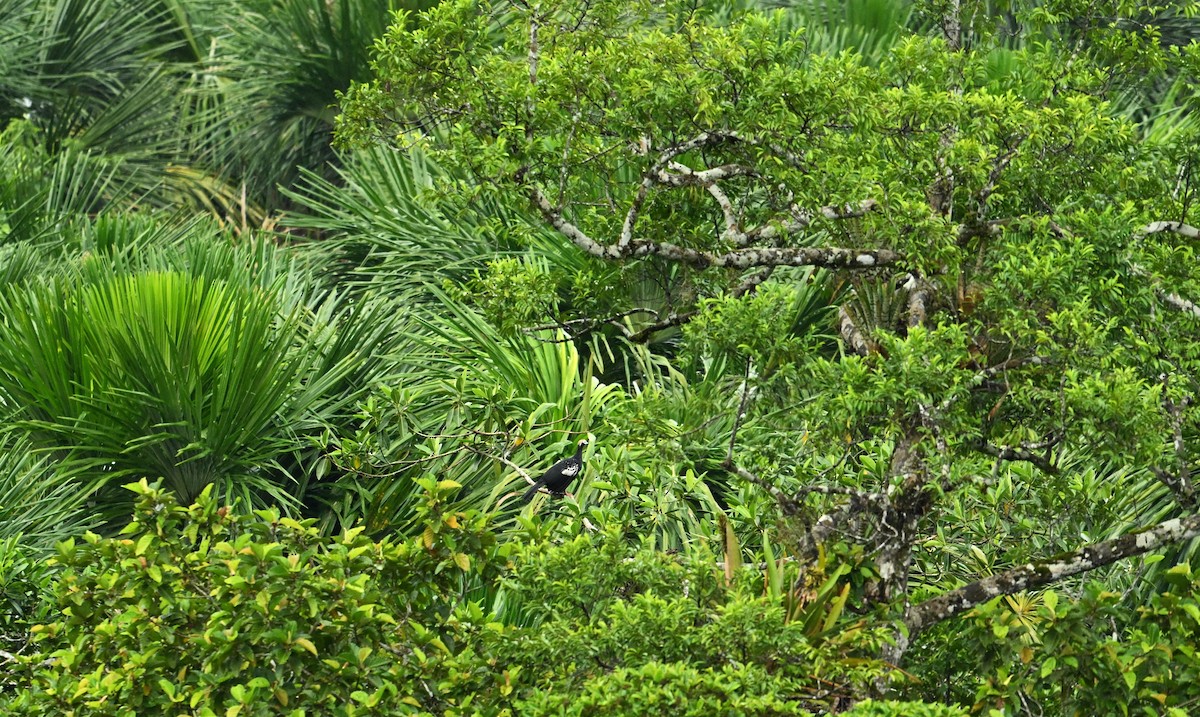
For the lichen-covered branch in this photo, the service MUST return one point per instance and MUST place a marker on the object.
(918, 300)
(1180, 482)
(1179, 228)
(786, 502)
(1177, 302)
(851, 334)
(1047, 572)
(824, 257)
(801, 219)
(1008, 453)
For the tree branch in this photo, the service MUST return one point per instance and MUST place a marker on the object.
(741, 413)
(718, 194)
(646, 332)
(952, 26)
(802, 219)
(1177, 302)
(786, 502)
(1008, 453)
(918, 298)
(1040, 574)
(1012, 363)
(743, 258)
(864, 496)
(688, 177)
(534, 59)
(850, 332)
(1179, 228)
(1181, 482)
(1173, 300)
(999, 164)
(777, 150)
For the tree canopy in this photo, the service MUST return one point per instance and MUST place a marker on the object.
(878, 319)
(1009, 243)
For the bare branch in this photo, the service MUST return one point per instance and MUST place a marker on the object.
(999, 164)
(503, 459)
(688, 177)
(1012, 363)
(1041, 574)
(777, 150)
(931, 423)
(577, 327)
(952, 25)
(984, 229)
(847, 518)
(819, 532)
(574, 328)
(635, 208)
(751, 282)
(645, 333)
(533, 48)
(569, 230)
(710, 185)
(1175, 301)
(534, 58)
(862, 495)
(1180, 483)
(563, 170)
(727, 210)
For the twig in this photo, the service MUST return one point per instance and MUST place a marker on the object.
(741, 412)
(505, 461)
(789, 505)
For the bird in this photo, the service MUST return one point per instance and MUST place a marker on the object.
(559, 476)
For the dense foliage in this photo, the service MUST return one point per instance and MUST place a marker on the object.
(206, 610)
(879, 317)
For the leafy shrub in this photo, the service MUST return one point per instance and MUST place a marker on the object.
(204, 611)
(600, 611)
(24, 589)
(670, 690)
(512, 295)
(199, 610)
(1116, 660)
(872, 708)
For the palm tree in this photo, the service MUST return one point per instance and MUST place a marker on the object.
(195, 363)
(278, 77)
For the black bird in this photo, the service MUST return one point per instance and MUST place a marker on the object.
(559, 476)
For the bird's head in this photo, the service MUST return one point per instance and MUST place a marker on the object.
(583, 443)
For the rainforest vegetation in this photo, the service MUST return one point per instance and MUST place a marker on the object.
(856, 346)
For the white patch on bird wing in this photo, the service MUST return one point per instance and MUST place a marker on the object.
(571, 469)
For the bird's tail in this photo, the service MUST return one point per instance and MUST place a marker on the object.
(533, 489)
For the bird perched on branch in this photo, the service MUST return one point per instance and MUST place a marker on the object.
(559, 476)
